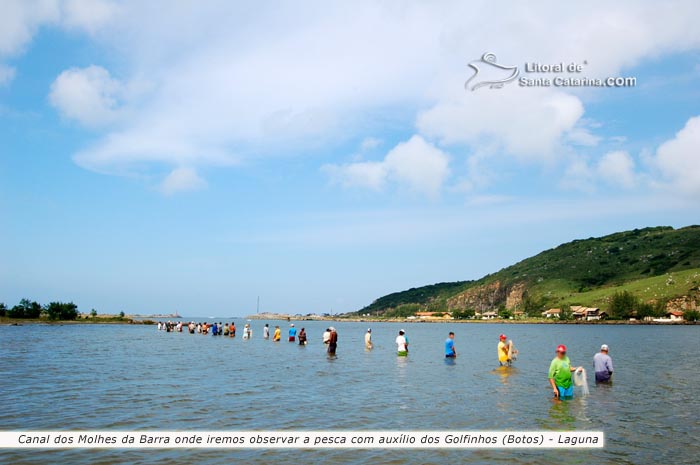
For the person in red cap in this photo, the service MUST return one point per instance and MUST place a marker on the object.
(560, 375)
(503, 349)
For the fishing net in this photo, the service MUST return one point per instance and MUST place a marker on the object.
(581, 381)
(512, 351)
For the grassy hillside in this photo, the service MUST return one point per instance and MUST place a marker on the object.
(581, 272)
(666, 286)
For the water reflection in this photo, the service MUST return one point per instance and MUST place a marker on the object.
(504, 373)
(121, 378)
(560, 415)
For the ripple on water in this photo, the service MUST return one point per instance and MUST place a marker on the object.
(133, 377)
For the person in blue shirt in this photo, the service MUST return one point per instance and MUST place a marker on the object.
(450, 351)
(292, 333)
(214, 330)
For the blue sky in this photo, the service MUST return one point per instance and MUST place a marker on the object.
(194, 157)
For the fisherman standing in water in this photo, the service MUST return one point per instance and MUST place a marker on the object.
(368, 339)
(560, 375)
(302, 337)
(292, 333)
(278, 334)
(401, 344)
(503, 351)
(332, 341)
(266, 331)
(450, 351)
(603, 366)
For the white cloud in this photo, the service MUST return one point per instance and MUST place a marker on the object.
(7, 74)
(20, 20)
(617, 168)
(578, 176)
(181, 180)
(218, 85)
(526, 123)
(88, 95)
(418, 164)
(370, 143)
(678, 159)
(89, 15)
(582, 136)
(415, 164)
(365, 174)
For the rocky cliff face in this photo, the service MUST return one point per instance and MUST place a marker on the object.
(682, 304)
(488, 297)
(515, 296)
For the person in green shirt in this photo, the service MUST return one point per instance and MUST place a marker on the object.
(560, 375)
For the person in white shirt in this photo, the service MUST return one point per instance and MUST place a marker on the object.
(368, 339)
(327, 336)
(401, 348)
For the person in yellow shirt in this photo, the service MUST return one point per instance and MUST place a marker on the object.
(503, 349)
(278, 334)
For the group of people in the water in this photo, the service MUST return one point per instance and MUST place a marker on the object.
(216, 329)
(229, 329)
(560, 369)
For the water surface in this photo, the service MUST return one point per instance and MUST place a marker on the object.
(121, 377)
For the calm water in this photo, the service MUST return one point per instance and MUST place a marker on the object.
(103, 377)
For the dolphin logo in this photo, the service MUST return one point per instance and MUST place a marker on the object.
(499, 75)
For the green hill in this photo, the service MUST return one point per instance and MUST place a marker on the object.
(656, 264)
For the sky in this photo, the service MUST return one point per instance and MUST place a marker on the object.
(193, 156)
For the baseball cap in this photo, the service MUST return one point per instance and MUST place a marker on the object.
(502, 336)
(561, 348)
(292, 325)
(604, 347)
(369, 330)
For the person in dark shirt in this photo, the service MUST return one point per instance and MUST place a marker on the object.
(333, 341)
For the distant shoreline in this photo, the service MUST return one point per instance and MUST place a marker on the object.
(116, 320)
(528, 321)
(99, 320)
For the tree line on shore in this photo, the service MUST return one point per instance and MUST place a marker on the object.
(57, 311)
(30, 309)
